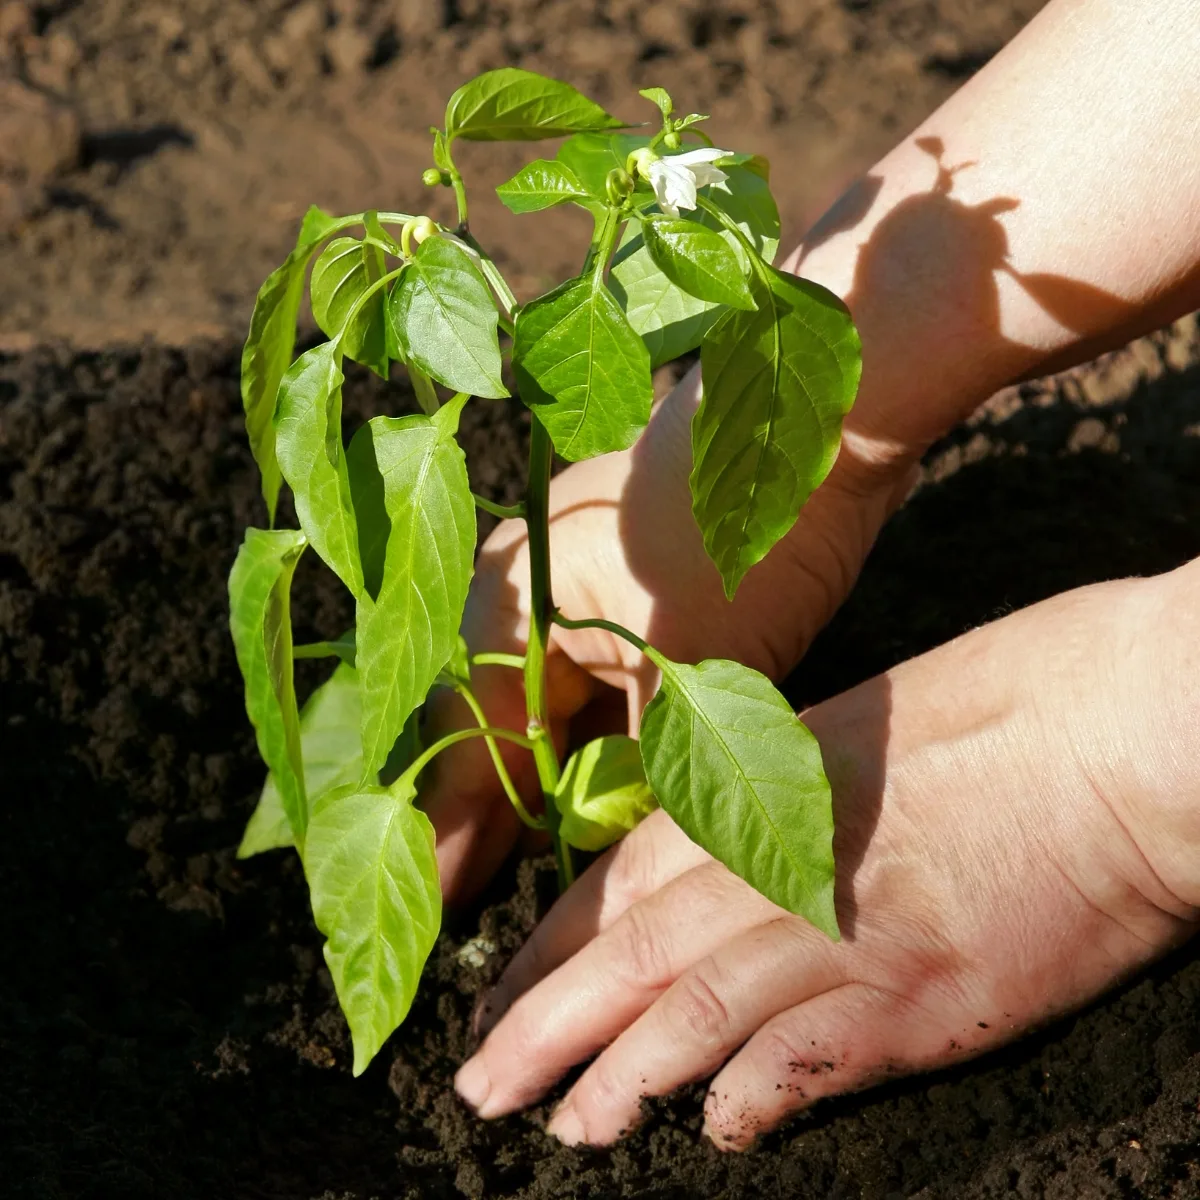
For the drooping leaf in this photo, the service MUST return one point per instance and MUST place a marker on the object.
(331, 751)
(269, 345)
(742, 777)
(603, 793)
(260, 622)
(671, 321)
(445, 320)
(416, 521)
(308, 438)
(582, 370)
(542, 184)
(777, 384)
(373, 877)
(510, 104)
(698, 260)
(342, 273)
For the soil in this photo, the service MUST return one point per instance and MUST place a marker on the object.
(167, 1027)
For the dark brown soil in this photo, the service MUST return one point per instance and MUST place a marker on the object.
(166, 1025)
(167, 1028)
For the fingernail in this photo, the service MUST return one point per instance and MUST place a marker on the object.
(472, 1083)
(566, 1126)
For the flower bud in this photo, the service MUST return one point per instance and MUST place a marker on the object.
(618, 185)
(638, 163)
(422, 229)
(431, 177)
(672, 140)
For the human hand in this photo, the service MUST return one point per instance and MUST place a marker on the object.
(624, 546)
(1017, 828)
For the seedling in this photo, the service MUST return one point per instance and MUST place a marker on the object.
(683, 238)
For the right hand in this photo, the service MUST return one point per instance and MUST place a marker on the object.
(624, 546)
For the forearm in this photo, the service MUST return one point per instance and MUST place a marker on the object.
(1058, 217)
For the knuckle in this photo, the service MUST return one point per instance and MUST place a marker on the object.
(784, 1049)
(634, 867)
(641, 950)
(698, 1004)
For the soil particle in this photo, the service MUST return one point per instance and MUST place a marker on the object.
(171, 1028)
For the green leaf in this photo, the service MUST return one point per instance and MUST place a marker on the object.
(260, 622)
(445, 320)
(603, 793)
(590, 157)
(515, 105)
(671, 321)
(342, 273)
(331, 751)
(582, 370)
(269, 345)
(659, 96)
(698, 260)
(441, 155)
(777, 384)
(742, 777)
(542, 184)
(416, 522)
(373, 876)
(308, 435)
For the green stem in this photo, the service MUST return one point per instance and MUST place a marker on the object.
(508, 302)
(462, 735)
(514, 797)
(493, 658)
(504, 511)
(612, 627)
(426, 393)
(322, 649)
(537, 521)
(604, 238)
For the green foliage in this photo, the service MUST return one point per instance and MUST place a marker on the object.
(416, 524)
(582, 369)
(308, 439)
(603, 793)
(777, 383)
(269, 345)
(343, 272)
(670, 319)
(515, 105)
(742, 777)
(446, 321)
(542, 184)
(261, 625)
(331, 752)
(375, 895)
(392, 514)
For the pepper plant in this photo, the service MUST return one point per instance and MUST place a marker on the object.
(684, 234)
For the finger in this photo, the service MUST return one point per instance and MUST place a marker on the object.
(698, 1022)
(839, 1041)
(656, 852)
(597, 993)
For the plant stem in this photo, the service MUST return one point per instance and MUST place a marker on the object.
(612, 627)
(322, 649)
(537, 521)
(495, 658)
(503, 511)
(462, 735)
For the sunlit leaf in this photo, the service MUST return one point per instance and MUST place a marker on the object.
(342, 273)
(308, 434)
(740, 775)
(542, 184)
(446, 321)
(331, 751)
(777, 384)
(416, 539)
(260, 622)
(698, 260)
(510, 104)
(582, 369)
(373, 877)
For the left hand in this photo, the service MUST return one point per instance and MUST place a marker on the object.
(1016, 829)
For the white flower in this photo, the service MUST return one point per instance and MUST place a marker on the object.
(676, 178)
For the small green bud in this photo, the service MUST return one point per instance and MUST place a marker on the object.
(672, 140)
(423, 228)
(431, 177)
(618, 185)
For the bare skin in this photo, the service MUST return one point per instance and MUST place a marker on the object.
(1018, 813)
